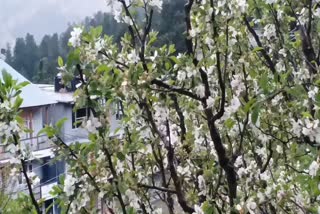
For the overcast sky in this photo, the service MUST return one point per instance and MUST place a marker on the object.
(40, 17)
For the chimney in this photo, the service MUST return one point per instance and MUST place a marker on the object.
(57, 83)
(72, 87)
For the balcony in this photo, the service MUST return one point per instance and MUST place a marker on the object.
(36, 143)
(40, 191)
(33, 144)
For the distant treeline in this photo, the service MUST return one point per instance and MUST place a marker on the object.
(38, 63)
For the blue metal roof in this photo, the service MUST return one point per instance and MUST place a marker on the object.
(31, 94)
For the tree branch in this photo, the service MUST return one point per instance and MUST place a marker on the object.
(25, 174)
(157, 188)
(175, 89)
(263, 51)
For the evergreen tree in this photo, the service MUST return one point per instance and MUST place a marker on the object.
(8, 55)
(171, 25)
(19, 56)
(32, 56)
(38, 63)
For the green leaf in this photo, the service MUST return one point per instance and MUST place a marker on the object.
(229, 123)
(17, 102)
(207, 208)
(60, 61)
(7, 79)
(172, 49)
(49, 131)
(263, 82)
(103, 68)
(48, 209)
(249, 104)
(96, 32)
(258, 49)
(60, 123)
(130, 210)
(121, 156)
(21, 85)
(255, 114)
(306, 114)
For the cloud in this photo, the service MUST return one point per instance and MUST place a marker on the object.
(40, 17)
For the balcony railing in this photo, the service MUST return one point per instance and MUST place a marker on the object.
(36, 143)
(33, 144)
(40, 191)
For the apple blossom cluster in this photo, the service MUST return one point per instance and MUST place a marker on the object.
(75, 37)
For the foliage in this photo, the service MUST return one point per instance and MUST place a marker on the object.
(231, 125)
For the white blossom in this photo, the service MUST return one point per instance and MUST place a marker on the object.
(279, 149)
(281, 194)
(132, 198)
(251, 206)
(92, 124)
(127, 20)
(115, 8)
(181, 75)
(133, 57)
(313, 168)
(265, 176)
(184, 171)
(202, 185)
(270, 1)
(296, 128)
(237, 84)
(261, 197)
(312, 93)
(197, 210)
(200, 90)
(235, 104)
(156, 3)
(242, 5)
(192, 33)
(241, 172)
(75, 37)
(210, 102)
(99, 45)
(238, 161)
(317, 12)
(283, 52)
(69, 185)
(269, 31)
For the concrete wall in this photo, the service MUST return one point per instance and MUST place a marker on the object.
(68, 134)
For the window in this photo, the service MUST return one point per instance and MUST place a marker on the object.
(118, 111)
(78, 116)
(28, 125)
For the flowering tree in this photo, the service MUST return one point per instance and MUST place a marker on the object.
(232, 125)
(11, 128)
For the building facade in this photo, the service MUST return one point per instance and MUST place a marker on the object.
(45, 105)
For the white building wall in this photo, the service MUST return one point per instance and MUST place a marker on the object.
(37, 120)
(68, 134)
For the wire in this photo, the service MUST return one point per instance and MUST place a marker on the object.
(38, 185)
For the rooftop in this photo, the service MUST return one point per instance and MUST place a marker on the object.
(31, 94)
(60, 97)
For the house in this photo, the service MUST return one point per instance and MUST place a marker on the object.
(45, 105)
(36, 111)
(42, 105)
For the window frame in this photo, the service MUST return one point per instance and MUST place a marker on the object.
(77, 120)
